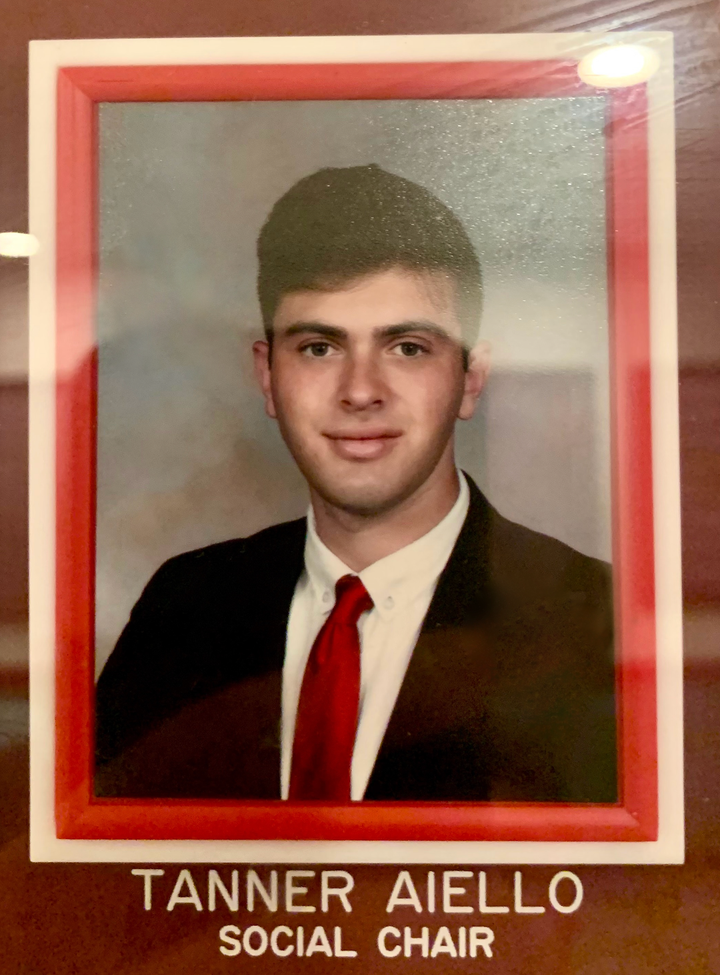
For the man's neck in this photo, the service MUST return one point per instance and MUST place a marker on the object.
(361, 540)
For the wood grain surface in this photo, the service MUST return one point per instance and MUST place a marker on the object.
(62, 919)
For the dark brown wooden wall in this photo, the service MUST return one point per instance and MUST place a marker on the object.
(62, 919)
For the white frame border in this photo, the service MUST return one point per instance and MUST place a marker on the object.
(46, 57)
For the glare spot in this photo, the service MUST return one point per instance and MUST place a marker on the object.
(18, 245)
(618, 65)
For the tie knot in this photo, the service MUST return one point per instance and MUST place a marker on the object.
(351, 600)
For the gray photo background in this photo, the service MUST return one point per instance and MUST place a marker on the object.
(186, 455)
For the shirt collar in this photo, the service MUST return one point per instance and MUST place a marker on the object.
(396, 580)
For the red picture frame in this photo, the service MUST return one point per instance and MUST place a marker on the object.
(78, 814)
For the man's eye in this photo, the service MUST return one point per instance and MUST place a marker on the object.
(409, 350)
(316, 350)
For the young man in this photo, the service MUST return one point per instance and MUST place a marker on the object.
(404, 641)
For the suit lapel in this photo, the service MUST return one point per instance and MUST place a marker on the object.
(270, 592)
(438, 700)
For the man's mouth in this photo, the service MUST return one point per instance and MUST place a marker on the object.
(365, 445)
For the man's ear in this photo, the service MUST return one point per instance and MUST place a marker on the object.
(475, 376)
(261, 359)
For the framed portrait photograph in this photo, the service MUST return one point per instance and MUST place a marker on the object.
(354, 455)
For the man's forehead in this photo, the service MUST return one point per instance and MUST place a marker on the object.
(375, 301)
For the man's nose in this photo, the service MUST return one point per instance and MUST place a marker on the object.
(362, 383)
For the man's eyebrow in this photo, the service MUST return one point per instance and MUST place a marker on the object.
(403, 328)
(315, 328)
(385, 332)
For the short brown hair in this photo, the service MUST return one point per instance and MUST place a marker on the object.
(339, 224)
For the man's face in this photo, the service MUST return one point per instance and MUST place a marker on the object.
(366, 382)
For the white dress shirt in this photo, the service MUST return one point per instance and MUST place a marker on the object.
(401, 587)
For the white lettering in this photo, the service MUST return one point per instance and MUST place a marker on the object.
(481, 938)
(552, 892)
(226, 935)
(382, 944)
(253, 883)
(521, 908)
(431, 891)
(291, 890)
(412, 900)
(147, 876)
(247, 944)
(423, 941)
(443, 944)
(485, 908)
(185, 877)
(215, 883)
(326, 891)
(448, 892)
(318, 942)
(338, 948)
(276, 949)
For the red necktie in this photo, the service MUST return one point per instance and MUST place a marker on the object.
(327, 713)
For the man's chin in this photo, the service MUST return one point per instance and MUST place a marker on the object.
(367, 499)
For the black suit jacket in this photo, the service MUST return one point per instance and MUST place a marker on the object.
(509, 693)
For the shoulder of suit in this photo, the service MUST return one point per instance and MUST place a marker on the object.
(522, 555)
(214, 562)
